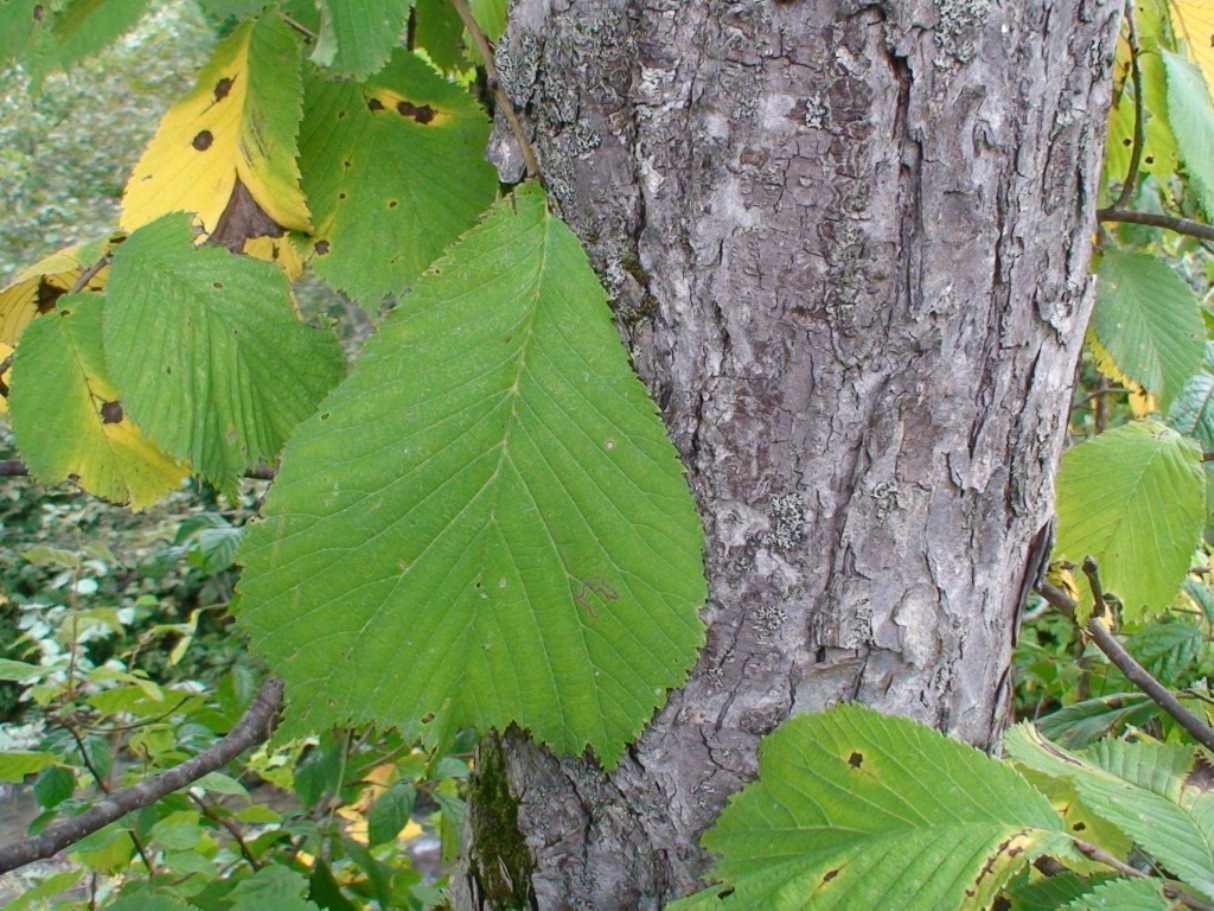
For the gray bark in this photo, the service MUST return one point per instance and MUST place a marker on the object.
(850, 248)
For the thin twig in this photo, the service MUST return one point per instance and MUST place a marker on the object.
(1134, 672)
(1170, 222)
(499, 91)
(1131, 178)
(89, 274)
(233, 830)
(253, 728)
(1104, 857)
(300, 27)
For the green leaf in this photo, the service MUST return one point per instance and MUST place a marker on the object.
(490, 15)
(1051, 893)
(1123, 895)
(15, 765)
(273, 886)
(20, 671)
(207, 351)
(1159, 794)
(356, 38)
(84, 27)
(1132, 498)
(500, 532)
(1149, 321)
(840, 815)
(20, 21)
(1159, 154)
(394, 171)
(60, 370)
(1192, 411)
(1079, 724)
(55, 785)
(149, 901)
(390, 813)
(1192, 122)
(439, 31)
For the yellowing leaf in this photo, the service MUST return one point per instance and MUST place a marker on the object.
(1194, 22)
(34, 291)
(278, 250)
(67, 416)
(1142, 402)
(228, 148)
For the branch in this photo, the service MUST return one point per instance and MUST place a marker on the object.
(253, 728)
(499, 92)
(1134, 672)
(89, 274)
(1171, 222)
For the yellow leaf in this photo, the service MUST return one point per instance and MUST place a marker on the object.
(33, 291)
(230, 140)
(1142, 403)
(279, 250)
(1194, 22)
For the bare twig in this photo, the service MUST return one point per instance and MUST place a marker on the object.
(1131, 178)
(89, 274)
(253, 728)
(300, 27)
(1170, 222)
(1134, 672)
(499, 92)
(234, 830)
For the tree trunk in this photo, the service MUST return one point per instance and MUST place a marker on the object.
(850, 243)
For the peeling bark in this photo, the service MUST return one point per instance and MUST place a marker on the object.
(849, 244)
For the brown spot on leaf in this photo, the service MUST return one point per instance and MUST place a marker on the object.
(218, 286)
(321, 247)
(392, 203)
(222, 88)
(421, 113)
(855, 760)
(111, 413)
(203, 141)
(39, 12)
(830, 874)
(1078, 826)
(341, 115)
(1202, 776)
(375, 104)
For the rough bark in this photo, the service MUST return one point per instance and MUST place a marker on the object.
(850, 247)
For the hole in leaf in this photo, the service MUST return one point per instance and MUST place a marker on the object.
(203, 141)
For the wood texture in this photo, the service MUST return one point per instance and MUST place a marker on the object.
(850, 248)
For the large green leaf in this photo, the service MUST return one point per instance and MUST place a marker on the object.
(1192, 121)
(1132, 498)
(1159, 794)
(206, 350)
(69, 420)
(854, 811)
(486, 521)
(1148, 319)
(394, 172)
(357, 36)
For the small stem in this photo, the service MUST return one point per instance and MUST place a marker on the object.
(233, 830)
(300, 27)
(1170, 222)
(89, 274)
(499, 92)
(1134, 672)
(1104, 857)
